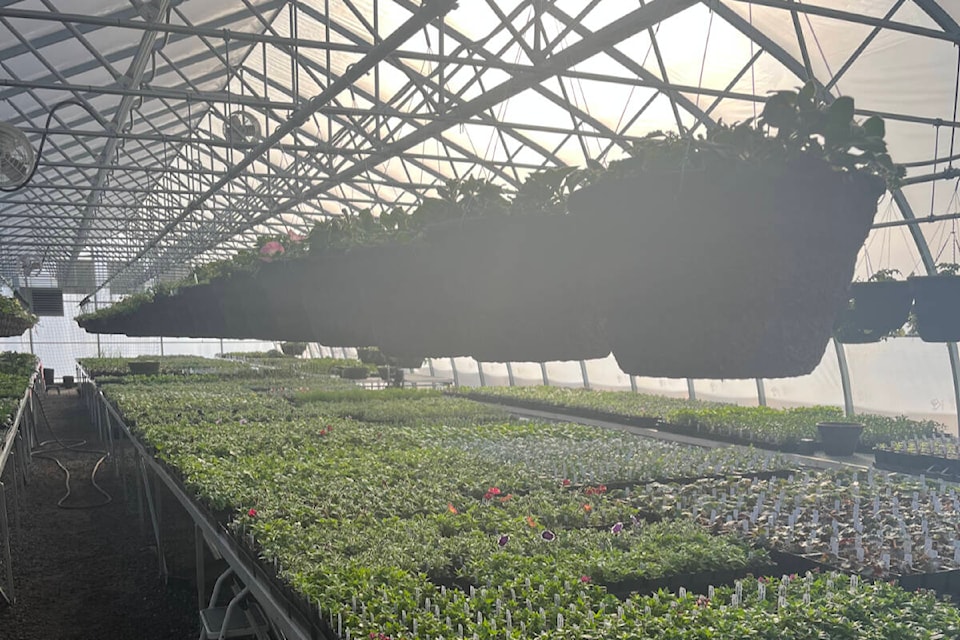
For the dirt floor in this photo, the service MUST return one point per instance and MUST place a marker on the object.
(92, 574)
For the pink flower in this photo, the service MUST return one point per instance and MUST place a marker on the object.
(295, 237)
(252, 513)
(270, 250)
(585, 579)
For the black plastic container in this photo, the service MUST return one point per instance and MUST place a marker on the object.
(839, 438)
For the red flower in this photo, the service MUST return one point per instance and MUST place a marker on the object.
(252, 513)
(494, 491)
(506, 498)
(531, 522)
(587, 508)
(585, 579)
(451, 508)
(566, 482)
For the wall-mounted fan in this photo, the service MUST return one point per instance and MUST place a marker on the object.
(16, 156)
(241, 126)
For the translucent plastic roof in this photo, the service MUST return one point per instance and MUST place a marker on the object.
(494, 88)
(145, 181)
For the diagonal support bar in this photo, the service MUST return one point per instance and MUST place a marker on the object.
(431, 10)
(134, 77)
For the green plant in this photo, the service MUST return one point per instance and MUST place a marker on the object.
(793, 124)
(948, 269)
(885, 275)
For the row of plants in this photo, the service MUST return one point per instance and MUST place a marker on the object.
(420, 528)
(872, 524)
(937, 455)
(761, 426)
(15, 372)
(570, 266)
(14, 317)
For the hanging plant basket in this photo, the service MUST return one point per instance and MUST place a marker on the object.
(937, 307)
(874, 310)
(732, 272)
(505, 288)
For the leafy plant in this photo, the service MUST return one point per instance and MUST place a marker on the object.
(793, 124)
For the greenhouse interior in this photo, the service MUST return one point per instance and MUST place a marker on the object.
(357, 319)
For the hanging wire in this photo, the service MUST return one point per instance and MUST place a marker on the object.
(43, 139)
(753, 72)
(703, 62)
(820, 48)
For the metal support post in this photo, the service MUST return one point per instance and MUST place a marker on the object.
(200, 544)
(512, 380)
(7, 590)
(761, 393)
(154, 519)
(633, 384)
(456, 376)
(483, 378)
(543, 374)
(433, 374)
(691, 389)
(844, 379)
(583, 374)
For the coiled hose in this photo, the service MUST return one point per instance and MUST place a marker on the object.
(44, 451)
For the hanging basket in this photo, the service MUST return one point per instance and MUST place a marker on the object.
(937, 307)
(502, 288)
(735, 272)
(874, 310)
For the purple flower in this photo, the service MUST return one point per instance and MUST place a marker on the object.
(504, 539)
(617, 528)
(548, 535)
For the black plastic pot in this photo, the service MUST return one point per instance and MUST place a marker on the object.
(874, 310)
(937, 307)
(68, 382)
(839, 438)
(354, 373)
(807, 446)
(47, 376)
(144, 367)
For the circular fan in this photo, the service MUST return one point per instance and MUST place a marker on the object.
(241, 127)
(16, 157)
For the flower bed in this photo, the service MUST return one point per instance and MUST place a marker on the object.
(873, 524)
(760, 426)
(421, 529)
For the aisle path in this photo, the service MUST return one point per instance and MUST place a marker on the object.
(86, 574)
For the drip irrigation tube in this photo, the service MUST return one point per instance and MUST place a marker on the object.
(74, 446)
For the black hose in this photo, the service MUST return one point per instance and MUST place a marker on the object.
(73, 446)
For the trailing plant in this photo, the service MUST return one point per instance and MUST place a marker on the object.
(793, 124)
(14, 317)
